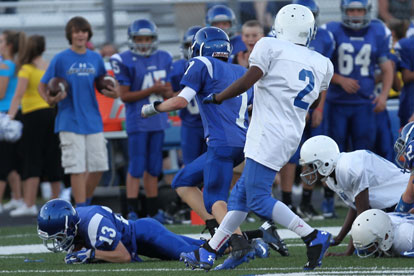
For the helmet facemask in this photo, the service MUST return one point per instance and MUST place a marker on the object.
(143, 49)
(356, 22)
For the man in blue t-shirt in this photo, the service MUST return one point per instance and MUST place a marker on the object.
(78, 121)
(144, 76)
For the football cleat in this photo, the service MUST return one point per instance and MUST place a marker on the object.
(200, 258)
(272, 238)
(261, 248)
(307, 212)
(242, 251)
(316, 248)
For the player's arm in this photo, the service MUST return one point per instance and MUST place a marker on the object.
(178, 102)
(18, 95)
(318, 106)
(350, 85)
(238, 87)
(387, 78)
(407, 75)
(119, 255)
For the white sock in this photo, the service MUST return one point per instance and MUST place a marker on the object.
(231, 221)
(284, 216)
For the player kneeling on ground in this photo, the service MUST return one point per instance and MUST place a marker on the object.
(95, 233)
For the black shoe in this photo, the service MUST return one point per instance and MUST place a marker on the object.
(272, 238)
(316, 245)
(307, 212)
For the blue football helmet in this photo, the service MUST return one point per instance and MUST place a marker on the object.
(143, 27)
(356, 22)
(404, 148)
(310, 4)
(57, 225)
(211, 41)
(187, 39)
(221, 13)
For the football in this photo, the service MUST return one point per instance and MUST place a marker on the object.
(57, 84)
(104, 81)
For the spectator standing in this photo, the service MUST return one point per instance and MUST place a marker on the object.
(10, 44)
(392, 11)
(39, 143)
(78, 121)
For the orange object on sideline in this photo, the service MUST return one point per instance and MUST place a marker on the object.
(196, 219)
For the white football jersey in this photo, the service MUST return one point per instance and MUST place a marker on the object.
(403, 225)
(359, 170)
(293, 77)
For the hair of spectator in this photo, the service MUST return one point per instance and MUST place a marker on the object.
(75, 24)
(35, 47)
(399, 27)
(17, 41)
(252, 24)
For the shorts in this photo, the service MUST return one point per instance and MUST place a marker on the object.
(83, 152)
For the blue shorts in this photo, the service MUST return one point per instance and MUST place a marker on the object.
(351, 122)
(191, 175)
(155, 241)
(193, 143)
(218, 172)
(253, 190)
(145, 153)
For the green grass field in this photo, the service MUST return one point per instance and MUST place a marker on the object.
(52, 264)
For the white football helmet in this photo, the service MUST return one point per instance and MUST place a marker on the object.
(320, 154)
(295, 23)
(372, 232)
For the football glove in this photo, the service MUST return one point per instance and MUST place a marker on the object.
(149, 110)
(83, 256)
(211, 99)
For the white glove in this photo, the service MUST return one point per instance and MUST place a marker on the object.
(83, 256)
(149, 110)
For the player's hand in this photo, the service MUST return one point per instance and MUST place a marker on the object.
(350, 86)
(317, 116)
(243, 59)
(167, 91)
(334, 242)
(83, 256)
(160, 87)
(380, 103)
(53, 100)
(149, 110)
(111, 91)
(210, 99)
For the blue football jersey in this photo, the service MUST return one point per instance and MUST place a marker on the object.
(139, 73)
(323, 43)
(190, 116)
(225, 124)
(237, 45)
(355, 56)
(404, 50)
(101, 229)
(78, 112)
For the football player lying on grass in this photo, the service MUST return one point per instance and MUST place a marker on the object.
(95, 233)
(376, 233)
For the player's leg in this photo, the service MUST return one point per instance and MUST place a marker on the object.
(155, 241)
(384, 140)
(137, 152)
(363, 127)
(153, 170)
(337, 124)
(218, 172)
(185, 183)
(258, 193)
(192, 143)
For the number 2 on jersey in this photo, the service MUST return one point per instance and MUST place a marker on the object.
(303, 74)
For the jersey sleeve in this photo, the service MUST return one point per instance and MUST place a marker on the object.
(120, 70)
(260, 56)
(384, 44)
(101, 67)
(196, 74)
(103, 234)
(328, 76)
(24, 72)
